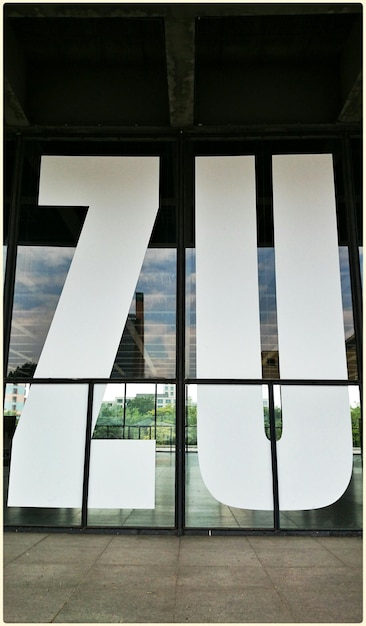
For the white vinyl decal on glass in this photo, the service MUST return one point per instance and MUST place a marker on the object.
(233, 451)
(315, 451)
(48, 448)
(122, 194)
(232, 446)
(314, 454)
(121, 474)
(227, 301)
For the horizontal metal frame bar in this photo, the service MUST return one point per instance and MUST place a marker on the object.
(259, 532)
(144, 133)
(88, 381)
(271, 381)
(188, 381)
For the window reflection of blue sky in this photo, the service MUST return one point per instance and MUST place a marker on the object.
(40, 276)
(267, 298)
(41, 273)
(346, 291)
(157, 282)
(190, 312)
(267, 304)
(360, 252)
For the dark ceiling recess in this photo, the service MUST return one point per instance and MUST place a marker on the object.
(181, 65)
(93, 71)
(274, 69)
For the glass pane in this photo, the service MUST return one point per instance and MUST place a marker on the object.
(40, 275)
(314, 454)
(227, 268)
(277, 411)
(202, 508)
(190, 313)
(45, 302)
(346, 512)
(349, 329)
(360, 253)
(132, 478)
(147, 347)
(268, 312)
(43, 485)
(310, 325)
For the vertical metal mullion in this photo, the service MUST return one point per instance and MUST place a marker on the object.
(11, 257)
(155, 409)
(180, 347)
(354, 262)
(124, 412)
(272, 428)
(88, 436)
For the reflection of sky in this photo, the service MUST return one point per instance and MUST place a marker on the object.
(40, 276)
(267, 304)
(157, 282)
(346, 291)
(267, 298)
(41, 273)
(360, 252)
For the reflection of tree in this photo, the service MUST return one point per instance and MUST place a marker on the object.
(278, 422)
(24, 371)
(191, 425)
(137, 420)
(142, 403)
(356, 426)
(355, 417)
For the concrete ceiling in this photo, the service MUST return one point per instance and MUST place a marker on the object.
(181, 65)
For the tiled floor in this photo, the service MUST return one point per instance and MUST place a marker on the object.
(68, 578)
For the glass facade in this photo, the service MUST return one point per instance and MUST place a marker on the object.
(182, 336)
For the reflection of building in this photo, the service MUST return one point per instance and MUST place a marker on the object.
(130, 356)
(167, 398)
(351, 357)
(270, 365)
(14, 398)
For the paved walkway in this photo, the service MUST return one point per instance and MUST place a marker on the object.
(139, 578)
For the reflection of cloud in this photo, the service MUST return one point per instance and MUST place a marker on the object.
(41, 271)
(40, 276)
(191, 280)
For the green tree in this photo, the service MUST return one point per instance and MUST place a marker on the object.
(143, 404)
(356, 426)
(191, 425)
(166, 414)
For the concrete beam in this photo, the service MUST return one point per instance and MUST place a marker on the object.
(180, 51)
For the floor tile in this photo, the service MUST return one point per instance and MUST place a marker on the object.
(141, 550)
(246, 605)
(213, 551)
(222, 578)
(16, 544)
(123, 594)
(291, 552)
